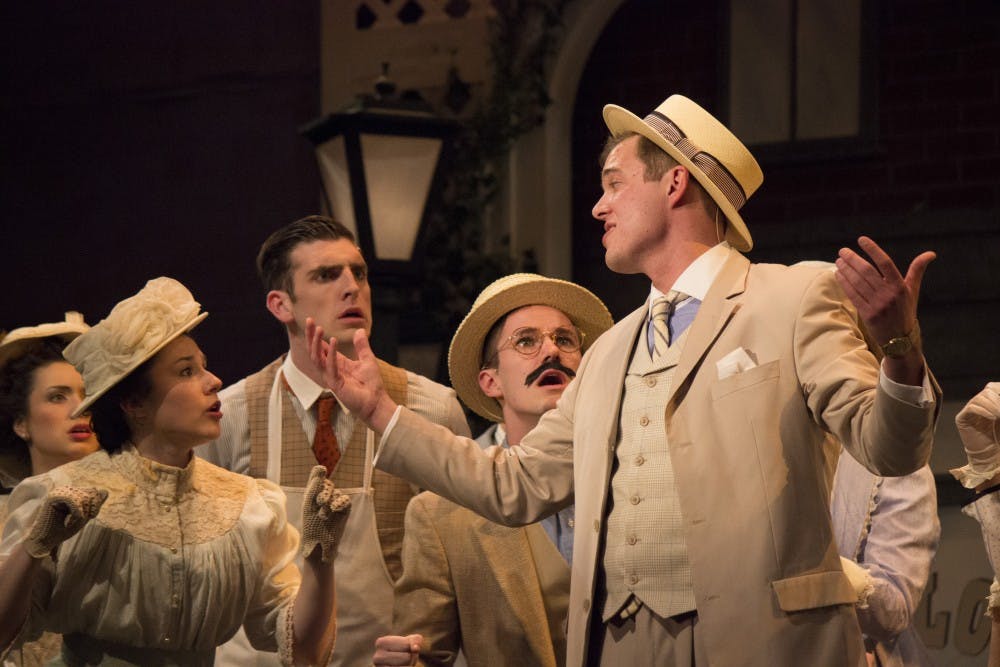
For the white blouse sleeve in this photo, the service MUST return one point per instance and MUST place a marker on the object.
(24, 502)
(269, 617)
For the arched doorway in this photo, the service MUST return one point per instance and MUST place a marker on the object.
(646, 52)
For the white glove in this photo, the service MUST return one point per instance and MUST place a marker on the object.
(65, 510)
(324, 515)
(979, 427)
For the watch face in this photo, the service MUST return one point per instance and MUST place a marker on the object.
(897, 347)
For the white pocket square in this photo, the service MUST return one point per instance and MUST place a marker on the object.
(737, 361)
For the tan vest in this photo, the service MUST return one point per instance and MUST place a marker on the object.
(391, 493)
(645, 550)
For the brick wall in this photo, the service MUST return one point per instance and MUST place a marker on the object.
(932, 179)
(145, 139)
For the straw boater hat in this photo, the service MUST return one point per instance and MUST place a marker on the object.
(713, 154)
(135, 330)
(585, 310)
(14, 343)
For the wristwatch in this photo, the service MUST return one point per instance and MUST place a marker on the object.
(898, 347)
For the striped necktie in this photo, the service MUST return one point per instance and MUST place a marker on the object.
(659, 314)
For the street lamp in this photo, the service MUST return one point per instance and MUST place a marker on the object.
(379, 165)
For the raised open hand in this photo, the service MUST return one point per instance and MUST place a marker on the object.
(886, 300)
(357, 384)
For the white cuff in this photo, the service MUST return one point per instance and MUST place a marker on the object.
(921, 397)
(970, 477)
(386, 432)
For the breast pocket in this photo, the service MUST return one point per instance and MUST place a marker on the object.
(753, 377)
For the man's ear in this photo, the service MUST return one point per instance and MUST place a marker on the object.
(490, 383)
(279, 303)
(676, 181)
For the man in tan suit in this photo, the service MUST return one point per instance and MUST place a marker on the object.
(700, 433)
(510, 360)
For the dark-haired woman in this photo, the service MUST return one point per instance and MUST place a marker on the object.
(144, 554)
(39, 391)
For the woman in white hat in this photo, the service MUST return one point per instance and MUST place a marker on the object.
(144, 554)
(39, 391)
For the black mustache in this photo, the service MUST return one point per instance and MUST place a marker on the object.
(551, 364)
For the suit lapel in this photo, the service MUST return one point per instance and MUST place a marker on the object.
(527, 604)
(714, 314)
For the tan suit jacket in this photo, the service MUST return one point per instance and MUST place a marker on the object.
(752, 453)
(471, 584)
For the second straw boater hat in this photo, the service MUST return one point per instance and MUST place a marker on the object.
(135, 330)
(706, 148)
(517, 290)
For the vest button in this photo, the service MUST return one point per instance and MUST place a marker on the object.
(644, 421)
(639, 460)
(632, 539)
(633, 579)
(650, 382)
(634, 499)
(597, 526)
(586, 605)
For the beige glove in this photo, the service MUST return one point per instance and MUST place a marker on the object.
(65, 510)
(324, 515)
(979, 427)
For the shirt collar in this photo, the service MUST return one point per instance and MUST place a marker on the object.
(307, 391)
(700, 274)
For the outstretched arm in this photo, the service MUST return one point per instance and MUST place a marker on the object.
(324, 515)
(17, 579)
(63, 512)
(901, 544)
(886, 302)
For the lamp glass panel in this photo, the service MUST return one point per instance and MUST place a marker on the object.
(398, 173)
(337, 181)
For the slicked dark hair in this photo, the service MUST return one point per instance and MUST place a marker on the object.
(274, 264)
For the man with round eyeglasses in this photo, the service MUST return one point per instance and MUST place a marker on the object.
(510, 361)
